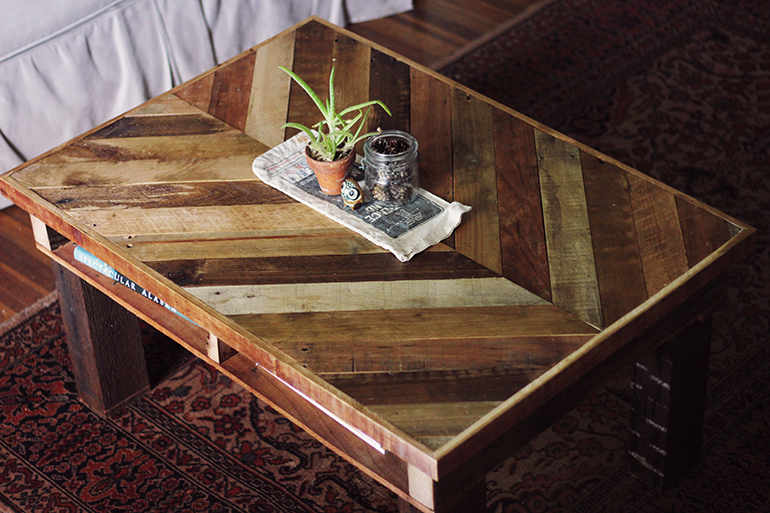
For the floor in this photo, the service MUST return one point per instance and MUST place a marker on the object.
(435, 29)
(25, 272)
(429, 34)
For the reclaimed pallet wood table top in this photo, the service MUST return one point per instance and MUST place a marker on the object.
(566, 256)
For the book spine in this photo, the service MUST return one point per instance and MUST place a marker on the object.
(83, 256)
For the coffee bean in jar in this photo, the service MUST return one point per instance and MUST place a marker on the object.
(390, 166)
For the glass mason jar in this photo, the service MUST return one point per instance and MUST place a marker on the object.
(390, 166)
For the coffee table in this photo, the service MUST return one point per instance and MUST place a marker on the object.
(425, 374)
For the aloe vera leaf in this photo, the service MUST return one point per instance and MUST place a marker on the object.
(305, 129)
(348, 125)
(332, 107)
(356, 137)
(361, 106)
(309, 90)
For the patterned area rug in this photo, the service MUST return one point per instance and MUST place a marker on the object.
(679, 90)
(197, 442)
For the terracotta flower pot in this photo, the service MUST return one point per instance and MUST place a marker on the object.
(330, 175)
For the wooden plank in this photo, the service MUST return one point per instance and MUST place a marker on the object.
(143, 306)
(161, 126)
(185, 147)
(428, 496)
(734, 228)
(556, 392)
(434, 420)
(568, 234)
(389, 83)
(475, 182)
(153, 249)
(18, 291)
(46, 238)
(139, 147)
(522, 235)
(325, 356)
(351, 61)
(165, 195)
(430, 33)
(417, 339)
(187, 333)
(90, 174)
(420, 489)
(191, 146)
(431, 125)
(702, 232)
(440, 386)
(273, 241)
(197, 92)
(195, 338)
(467, 498)
(388, 469)
(167, 105)
(668, 404)
(218, 351)
(252, 220)
(231, 91)
(17, 226)
(40, 232)
(104, 342)
(616, 251)
(660, 237)
(347, 268)
(368, 295)
(313, 49)
(425, 324)
(8, 309)
(270, 89)
(19, 261)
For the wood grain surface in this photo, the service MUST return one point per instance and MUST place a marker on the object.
(563, 246)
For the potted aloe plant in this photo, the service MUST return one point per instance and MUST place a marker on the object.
(330, 152)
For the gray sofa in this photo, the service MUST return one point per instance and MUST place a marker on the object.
(67, 66)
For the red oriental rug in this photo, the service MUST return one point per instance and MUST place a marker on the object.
(196, 443)
(679, 89)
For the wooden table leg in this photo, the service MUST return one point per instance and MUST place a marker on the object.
(105, 344)
(473, 501)
(668, 405)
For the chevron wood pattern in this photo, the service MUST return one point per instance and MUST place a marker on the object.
(562, 249)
